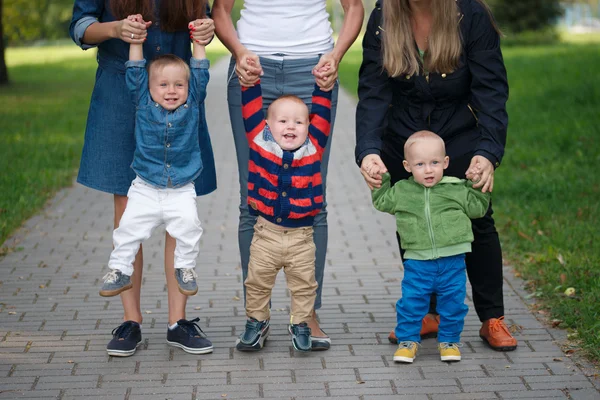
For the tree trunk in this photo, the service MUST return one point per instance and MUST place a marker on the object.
(3, 70)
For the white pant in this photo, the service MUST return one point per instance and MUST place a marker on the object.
(149, 207)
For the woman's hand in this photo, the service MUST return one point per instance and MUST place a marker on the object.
(326, 72)
(248, 68)
(371, 168)
(481, 172)
(202, 31)
(132, 29)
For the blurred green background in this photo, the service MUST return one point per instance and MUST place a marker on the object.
(546, 191)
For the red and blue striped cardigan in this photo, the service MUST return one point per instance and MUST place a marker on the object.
(285, 187)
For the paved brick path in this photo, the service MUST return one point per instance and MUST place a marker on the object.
(54, 327)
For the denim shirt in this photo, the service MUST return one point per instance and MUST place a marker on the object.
(167, 152)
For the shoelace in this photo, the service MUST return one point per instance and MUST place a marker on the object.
(111, 277)
(191, 327)
(496, 325)
(123, 330)
(301, 329)
(407, 345)
(447, 345)
(252, 324)
(188, 275)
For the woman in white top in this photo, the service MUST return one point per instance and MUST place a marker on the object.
(289, 46)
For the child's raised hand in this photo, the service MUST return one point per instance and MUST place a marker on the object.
(202, 31)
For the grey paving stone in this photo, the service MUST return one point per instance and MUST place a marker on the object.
(54, 327)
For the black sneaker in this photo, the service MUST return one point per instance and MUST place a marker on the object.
(254, 336)
(115, 282)
(126, 339)
(188, 336)
(186, 280)
(301, 337)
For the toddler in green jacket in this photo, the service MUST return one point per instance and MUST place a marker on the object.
(433, 218)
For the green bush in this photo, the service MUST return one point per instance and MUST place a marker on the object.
(518, 16)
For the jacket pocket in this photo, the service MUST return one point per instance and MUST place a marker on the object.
(412, 233)
(457, 227)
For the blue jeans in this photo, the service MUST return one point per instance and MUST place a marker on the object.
(280, 77)
(445, 276)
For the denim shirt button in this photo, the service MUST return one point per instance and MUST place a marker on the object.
(169, 124)
(185, 106)
(155, 104)
(168, 165)
(168, 145)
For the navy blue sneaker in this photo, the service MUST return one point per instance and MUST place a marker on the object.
(254, 336)
(301, 337)
(126, 339)
(186, 280)
(188, 336)
(115, 282)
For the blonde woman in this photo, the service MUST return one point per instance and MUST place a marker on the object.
(436, 65)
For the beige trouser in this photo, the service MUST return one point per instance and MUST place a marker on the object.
(274, 247)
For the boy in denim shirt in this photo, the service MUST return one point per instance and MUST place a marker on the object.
(166, 161)
(433, 218)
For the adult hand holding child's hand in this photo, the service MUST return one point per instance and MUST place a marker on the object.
(248, 68)
(371, 168)
(326, 72)
(132, 29)
(481, 172)
(202, 30)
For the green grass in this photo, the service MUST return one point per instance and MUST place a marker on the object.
(547, 189)
(43, 116)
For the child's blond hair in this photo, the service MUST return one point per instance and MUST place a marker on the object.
(422, 136)
(168, 59)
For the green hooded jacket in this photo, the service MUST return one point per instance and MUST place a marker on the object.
(432, 222)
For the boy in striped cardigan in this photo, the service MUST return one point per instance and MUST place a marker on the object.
(285, 193)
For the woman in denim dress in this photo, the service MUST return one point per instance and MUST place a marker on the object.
(289, 45)
(109, 137)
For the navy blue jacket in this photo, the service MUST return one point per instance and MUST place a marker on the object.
(466, 107)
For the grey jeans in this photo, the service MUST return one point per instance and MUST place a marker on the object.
(280, 77)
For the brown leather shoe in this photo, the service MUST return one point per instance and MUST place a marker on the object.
(429, 329)
(496, 334)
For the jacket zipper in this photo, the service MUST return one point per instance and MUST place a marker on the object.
(473, 112)
(430, 224)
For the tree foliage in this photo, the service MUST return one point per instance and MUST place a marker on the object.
(517, 16)
(28, 20)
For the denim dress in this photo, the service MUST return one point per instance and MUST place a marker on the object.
(109, 142)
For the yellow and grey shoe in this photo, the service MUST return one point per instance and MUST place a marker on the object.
(449, 351)
(406, 353)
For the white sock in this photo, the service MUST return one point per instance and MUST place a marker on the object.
(171, 327)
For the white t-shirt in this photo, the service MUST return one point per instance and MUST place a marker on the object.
(298, 28)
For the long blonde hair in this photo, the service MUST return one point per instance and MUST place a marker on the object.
(400, 55)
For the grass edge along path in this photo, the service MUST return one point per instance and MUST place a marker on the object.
(546, 191)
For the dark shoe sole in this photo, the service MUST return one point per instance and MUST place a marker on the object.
(318, 344)
(258, 345)
(123, 353)
(191, 350)
(187, 292)
(112, 293)
(499, 348)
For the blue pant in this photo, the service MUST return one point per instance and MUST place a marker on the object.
(280, 77)
(447, 278)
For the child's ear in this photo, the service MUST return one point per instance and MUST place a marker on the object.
(446, 162)
(406, 165)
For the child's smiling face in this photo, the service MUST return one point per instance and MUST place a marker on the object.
(288, 121)
(169, 86)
